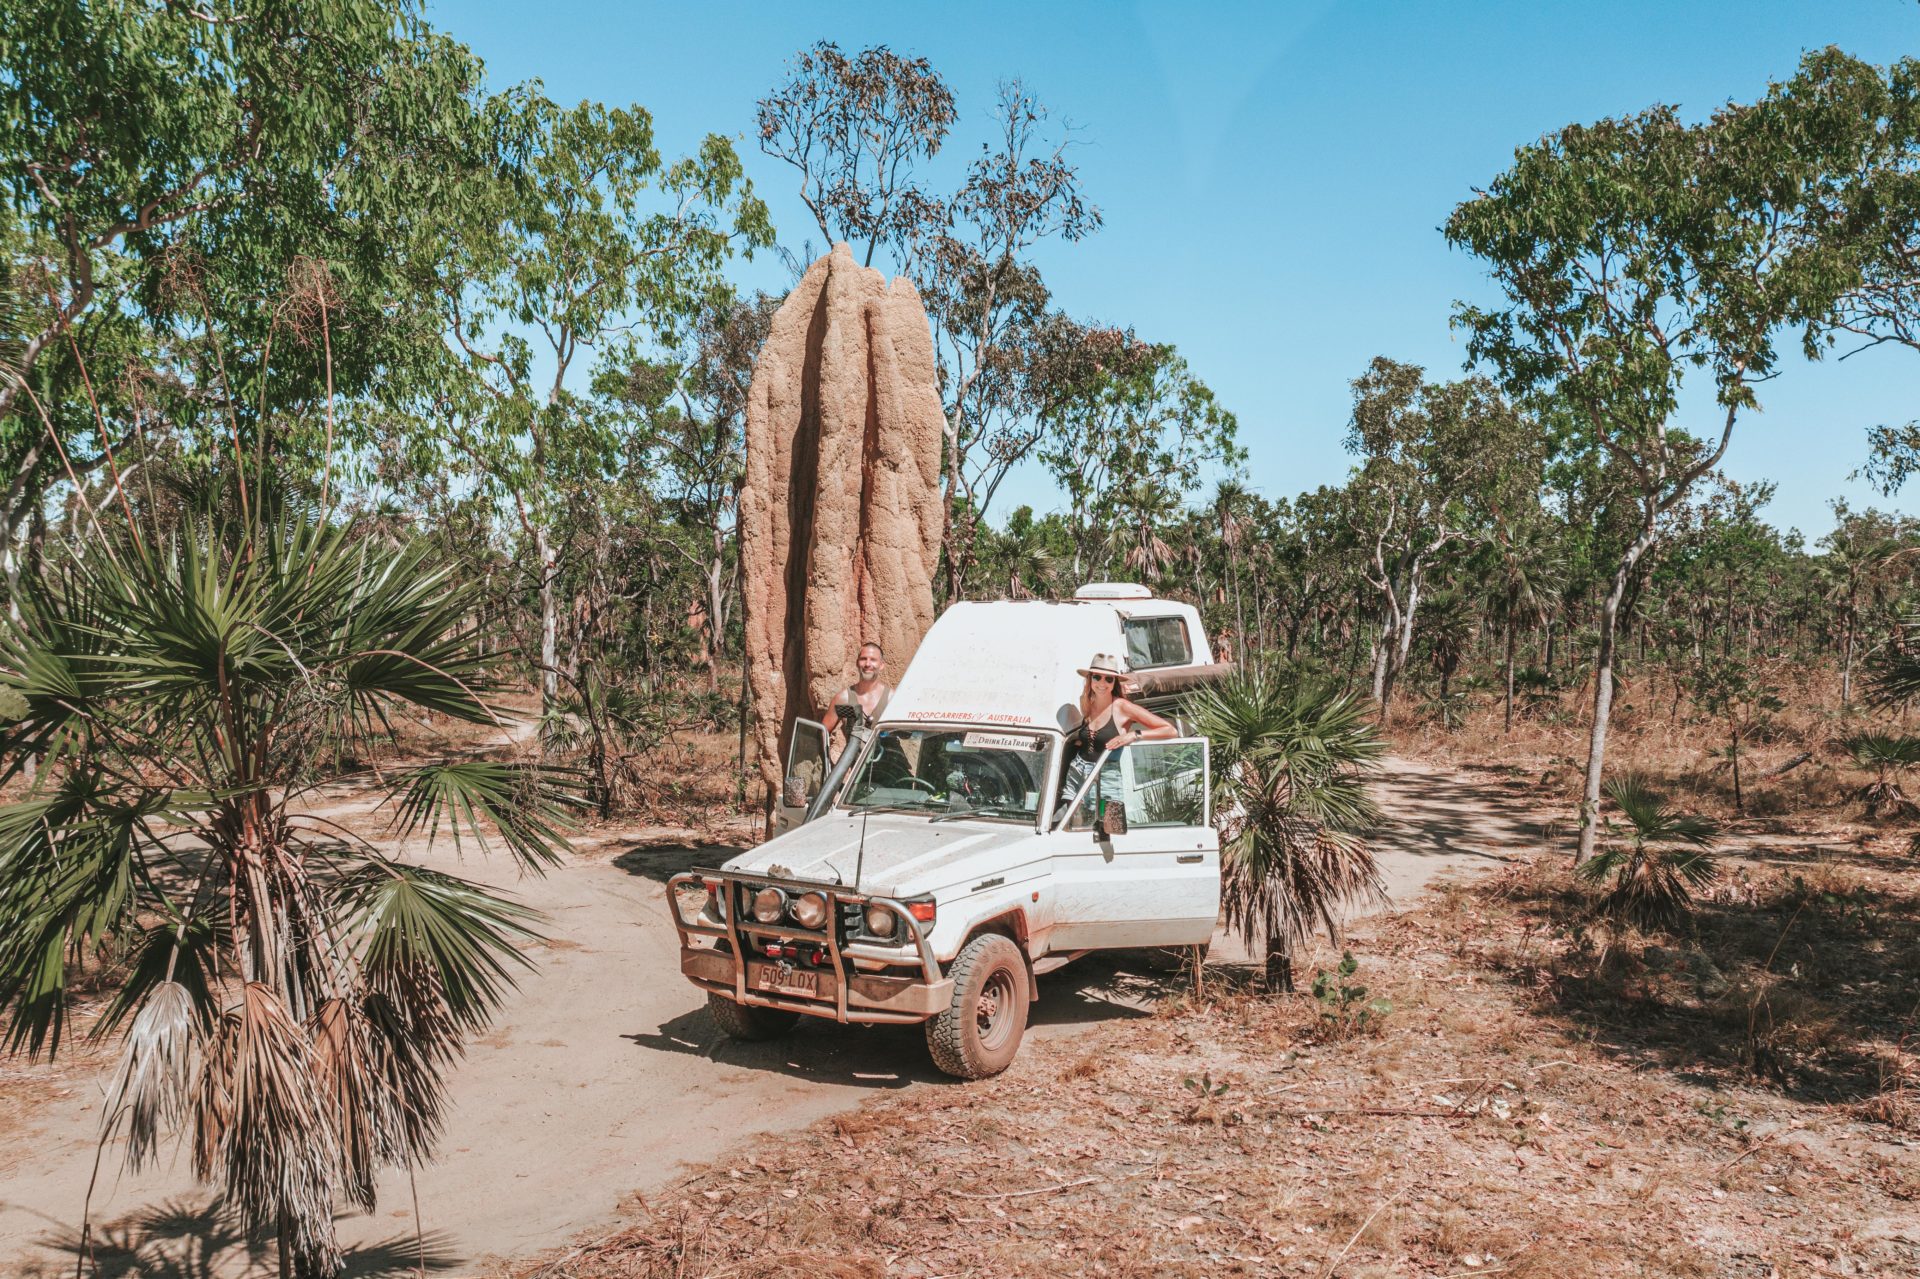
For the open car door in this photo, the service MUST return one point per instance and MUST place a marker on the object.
(1136, 861)
(807, 766)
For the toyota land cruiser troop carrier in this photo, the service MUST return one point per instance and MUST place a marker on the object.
(944, 863)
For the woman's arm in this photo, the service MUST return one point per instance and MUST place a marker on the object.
(1146, 726)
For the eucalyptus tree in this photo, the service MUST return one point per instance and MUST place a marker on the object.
(999, 347)
(262, 169)
(1633, 251)
(856, 128)
(1859, 556)
(692, 448)
(293, 996)
(1438, 462)
(1525, 568)
(1128, 440)
(595, 243)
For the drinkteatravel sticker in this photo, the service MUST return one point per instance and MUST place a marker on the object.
(1001, 741)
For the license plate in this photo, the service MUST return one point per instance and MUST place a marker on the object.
(787, 981)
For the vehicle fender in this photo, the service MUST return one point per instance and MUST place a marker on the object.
(1013, 925)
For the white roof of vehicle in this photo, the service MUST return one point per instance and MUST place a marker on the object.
(1017, 661)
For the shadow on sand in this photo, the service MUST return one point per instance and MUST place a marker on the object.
(197, 1238)
(1097, 988)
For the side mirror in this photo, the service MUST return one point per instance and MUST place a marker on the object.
(1113, 820)
(794, 793)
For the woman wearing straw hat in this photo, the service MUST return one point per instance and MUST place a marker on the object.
(1108, 721)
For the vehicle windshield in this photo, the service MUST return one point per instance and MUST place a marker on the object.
(989, 773)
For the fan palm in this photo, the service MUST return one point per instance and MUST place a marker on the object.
(295, 997)
(1292, 754)
(1895, 678)
(1888, 755)
(1663, 860)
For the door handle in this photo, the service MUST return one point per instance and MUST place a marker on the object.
(1188, 859)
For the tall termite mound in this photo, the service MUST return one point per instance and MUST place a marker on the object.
(840, 516)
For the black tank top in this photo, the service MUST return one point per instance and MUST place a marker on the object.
(1099, 738)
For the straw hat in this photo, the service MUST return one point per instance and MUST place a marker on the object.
(1105, 664)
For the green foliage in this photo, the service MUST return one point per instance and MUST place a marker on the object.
(1651, 871)
(1345, 1010)
(1291, 755)
(295, 996)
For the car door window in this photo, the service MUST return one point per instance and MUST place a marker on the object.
(806, 764)
(1158, 783)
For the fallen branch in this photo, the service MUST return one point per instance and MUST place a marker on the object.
(1789, 766)
(1022, 1194)
(1342, 1254)
(1402, 1111)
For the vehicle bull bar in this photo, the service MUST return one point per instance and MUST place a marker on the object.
(735, 930)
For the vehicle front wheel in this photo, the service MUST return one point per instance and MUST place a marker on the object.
(742, 1021)
(979, 1031)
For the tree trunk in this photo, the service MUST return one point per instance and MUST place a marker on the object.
(1733, 753)
(1382, 658)
(1846, 662)
(1404, 644)
(549, 621)
(1511, 628)
(1603, 693)
(1279, 966)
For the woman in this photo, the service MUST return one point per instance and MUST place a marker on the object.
(1108, 721)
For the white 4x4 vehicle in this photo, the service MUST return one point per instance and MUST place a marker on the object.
(945, 863)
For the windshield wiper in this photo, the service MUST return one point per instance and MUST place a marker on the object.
(886, 808)
(984, 810)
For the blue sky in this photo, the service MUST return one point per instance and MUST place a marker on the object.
(1272, 176)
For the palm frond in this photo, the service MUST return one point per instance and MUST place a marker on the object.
(150, 1089)
(525, 803)
(1291, 757)
(1647, 882)
(419, 924)
(1653, 821)
(1894, 679)
(261, 1129)
(1883, 750)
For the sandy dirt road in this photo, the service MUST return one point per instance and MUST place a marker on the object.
(604, 1075)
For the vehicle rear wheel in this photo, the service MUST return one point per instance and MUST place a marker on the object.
(742, 1021)
(979, 1031)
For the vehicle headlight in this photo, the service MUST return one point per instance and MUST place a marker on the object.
(715, 906)
(810, 911)
(769, 904)
(881, 922)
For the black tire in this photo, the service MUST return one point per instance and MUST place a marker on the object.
(979, 1031)
(741, 1021)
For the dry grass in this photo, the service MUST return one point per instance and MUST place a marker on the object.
(1539, 1102)
(1671, 742)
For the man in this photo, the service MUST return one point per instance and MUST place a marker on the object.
(863, 700)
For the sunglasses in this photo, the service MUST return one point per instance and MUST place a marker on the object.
(1105, 679)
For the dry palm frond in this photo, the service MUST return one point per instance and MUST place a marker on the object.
(262, 1130)
(150, 1088)
(415, 1042)
(363, 1107)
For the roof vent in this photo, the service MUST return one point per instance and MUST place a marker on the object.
(1113, 591)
